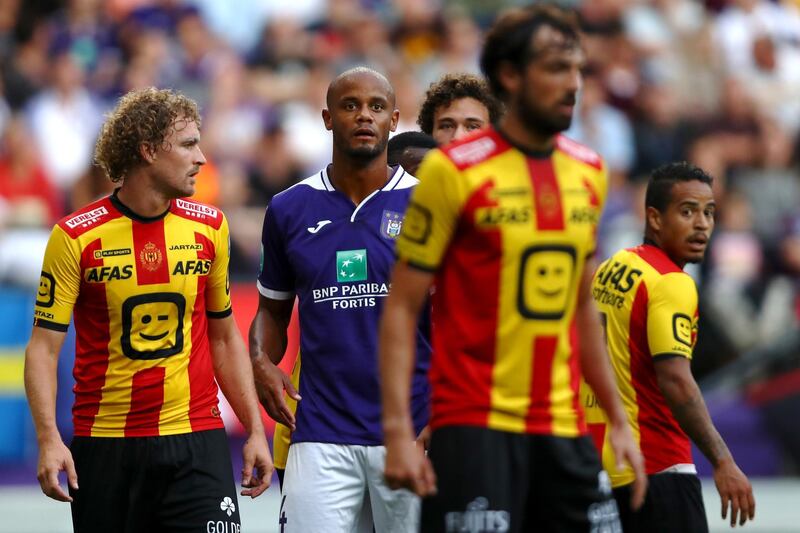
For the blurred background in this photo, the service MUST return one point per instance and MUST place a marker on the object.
(716, 82)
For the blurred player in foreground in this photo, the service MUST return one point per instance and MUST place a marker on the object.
(456, 105)
(505, 220)
(329, 240)
(648, 306)
(144, 274)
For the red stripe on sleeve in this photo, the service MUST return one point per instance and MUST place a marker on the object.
(546, 195)
(203, 403)
(150, 251)
(91, 345)
(147, 398)
(540, 418)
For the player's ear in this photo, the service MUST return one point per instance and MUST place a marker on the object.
(653, 217)
(147, 152)
(510, 78)
(326, 118)
(395, 120)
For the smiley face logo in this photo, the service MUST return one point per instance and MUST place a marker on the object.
(545, 279)
(46, 293)
(152, 325)
(682, 329)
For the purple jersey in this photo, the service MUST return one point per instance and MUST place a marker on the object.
(337, 259)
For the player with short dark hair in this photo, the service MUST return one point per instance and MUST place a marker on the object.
(144, 275)
(456, 105)
(407, 149)
(505, 221)
(329, 242)
(649, 309)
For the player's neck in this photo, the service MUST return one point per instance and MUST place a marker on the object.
(652, 240)
(512, 126)
(357, 178)
(137, 195)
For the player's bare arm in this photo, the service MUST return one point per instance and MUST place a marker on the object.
(406, 464)
(235, 377)
(686, 402)
(268, 339)
(41, 364)
(598, 374)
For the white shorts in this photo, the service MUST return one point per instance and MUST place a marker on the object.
(339, 488)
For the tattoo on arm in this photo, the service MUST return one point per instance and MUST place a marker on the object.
(692, 415)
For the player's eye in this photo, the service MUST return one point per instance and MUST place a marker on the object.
(377, 107)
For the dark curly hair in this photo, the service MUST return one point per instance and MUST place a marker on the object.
(659, 187)
(454, 87)
(145, 116)
(509, 39)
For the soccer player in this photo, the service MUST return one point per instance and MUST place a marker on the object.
(648, 305)
(144, 274)
(456, 105)
(408, 149)
(505, 220)
(329, 240)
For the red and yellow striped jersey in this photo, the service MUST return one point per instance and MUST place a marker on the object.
(140, 290)
(649, 308)
(508, 234)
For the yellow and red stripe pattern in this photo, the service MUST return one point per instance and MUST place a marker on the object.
(649, 308)
(140, 291)
(508, 234)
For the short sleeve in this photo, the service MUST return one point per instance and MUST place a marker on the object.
(276, 277)
(218, 286)
(432, 214)
(59, 282)
(672, 315)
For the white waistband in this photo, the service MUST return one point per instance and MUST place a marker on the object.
(680, 468)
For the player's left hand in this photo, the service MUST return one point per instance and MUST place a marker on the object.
(627, 451)
(407, 467)
(255, 454)
(734, 491)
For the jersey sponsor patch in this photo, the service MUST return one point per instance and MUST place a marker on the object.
(194, 209)
(579, 151)
(682, 329)
(84, 220)
(473, 152)
(46, 294)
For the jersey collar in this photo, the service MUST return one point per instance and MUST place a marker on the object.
(128, 212)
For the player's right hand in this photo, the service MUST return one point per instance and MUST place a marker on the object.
(271, 381)
(407, 467)
(626, 450)
(54, 456)
(734, 491)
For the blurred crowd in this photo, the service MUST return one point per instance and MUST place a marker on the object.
(714, 82)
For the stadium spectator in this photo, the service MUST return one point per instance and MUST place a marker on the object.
(330, 241)
(489, 219)
(650, 314)
(456, 105)
(150, 340)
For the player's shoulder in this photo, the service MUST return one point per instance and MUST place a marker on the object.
(476, 148)
(578, 152)
(197, 212)
(401, 180)
(88, 218)
(660, 271)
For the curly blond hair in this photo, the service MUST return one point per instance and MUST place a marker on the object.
(142, 117)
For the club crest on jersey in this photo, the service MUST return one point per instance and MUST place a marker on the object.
(391, 223)
(150, 257)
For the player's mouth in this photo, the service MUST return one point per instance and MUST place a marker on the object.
(698, 242)
(364, 134)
